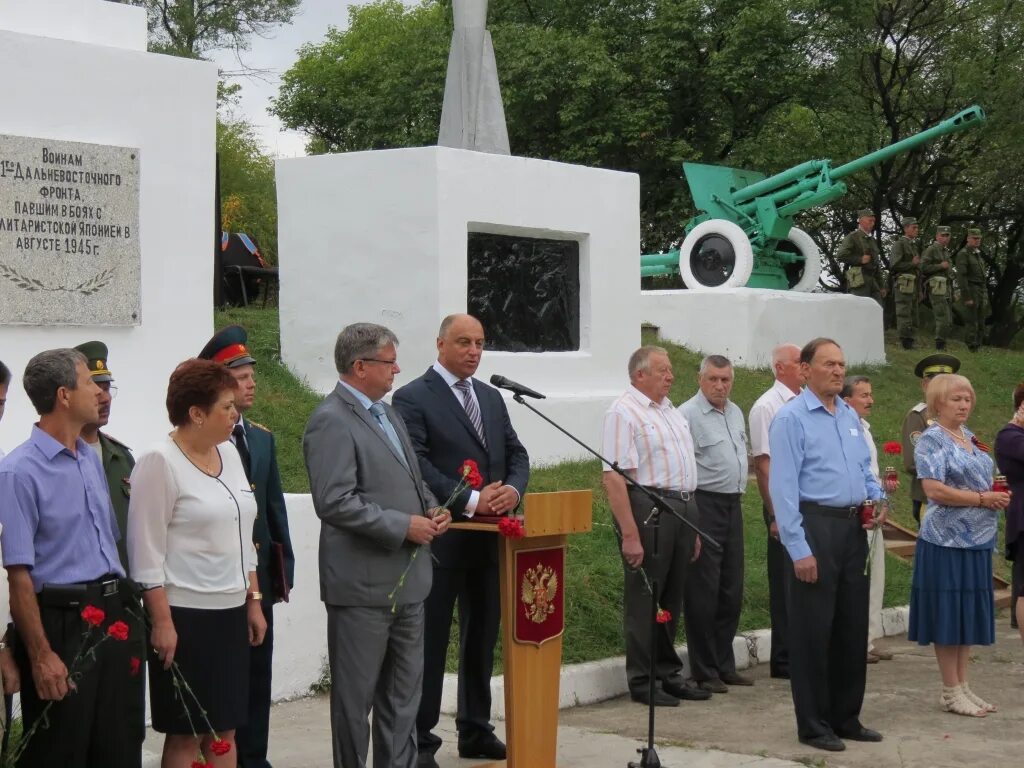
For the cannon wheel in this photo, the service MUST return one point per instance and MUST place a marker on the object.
(803, 277)
(716, 254)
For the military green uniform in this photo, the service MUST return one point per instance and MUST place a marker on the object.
(117, 466)
(861, 279)
(914, 423)
(970, 271)
(939, 284)
(906, 284)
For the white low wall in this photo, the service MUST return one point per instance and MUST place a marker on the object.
(745, 324)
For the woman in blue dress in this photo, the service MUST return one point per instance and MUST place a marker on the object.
(951, 602)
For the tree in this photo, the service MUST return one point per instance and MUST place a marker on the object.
(192, 28)
(247, 190)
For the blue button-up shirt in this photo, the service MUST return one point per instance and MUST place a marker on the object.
(819, 457)
(56, 512)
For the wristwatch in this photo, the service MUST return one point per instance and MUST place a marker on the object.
(253, 595)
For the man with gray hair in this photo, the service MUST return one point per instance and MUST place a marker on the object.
(788, 380)
(376, 513)
(60, 550)
(650, 439)
(714, 587)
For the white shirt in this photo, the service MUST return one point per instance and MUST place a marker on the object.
(190, 531)
(763, 412)
(451, 380)
(653, 439)
(872, 450)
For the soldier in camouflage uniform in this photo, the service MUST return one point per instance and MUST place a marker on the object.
(905, 266)
(936, 268)
(971, 275)
(859, 252)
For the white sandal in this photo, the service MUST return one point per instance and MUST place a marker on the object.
(977, 700)
(955, 700)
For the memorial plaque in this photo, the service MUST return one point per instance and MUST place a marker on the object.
(69, 233)
(525, 291)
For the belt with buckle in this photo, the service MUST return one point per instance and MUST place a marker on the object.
(668, 493)
(813, 508)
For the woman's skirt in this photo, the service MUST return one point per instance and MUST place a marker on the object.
(951, 599)
(213, 656)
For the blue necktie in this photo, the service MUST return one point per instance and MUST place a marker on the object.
(377, 409)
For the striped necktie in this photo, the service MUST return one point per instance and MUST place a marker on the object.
(472, 409)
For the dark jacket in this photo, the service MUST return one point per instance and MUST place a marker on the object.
(271, 517)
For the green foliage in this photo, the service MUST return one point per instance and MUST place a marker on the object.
(192, 28)
(247, 188)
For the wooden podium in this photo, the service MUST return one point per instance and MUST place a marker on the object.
(532, 573)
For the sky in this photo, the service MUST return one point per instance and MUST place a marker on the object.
(276, 53)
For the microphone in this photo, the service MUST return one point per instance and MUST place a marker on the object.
(502, 383)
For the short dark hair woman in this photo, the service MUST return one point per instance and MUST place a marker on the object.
(190, 545)
(1010, 458)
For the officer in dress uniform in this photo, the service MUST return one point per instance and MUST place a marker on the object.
(859, 252)
(276, 562)
(905, 266)
(116, 456)
(916, 421)
(972, 276)
(936, 265)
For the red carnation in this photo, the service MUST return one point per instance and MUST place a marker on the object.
(663, 616)
(470, 473)
(220, 747)
(93, 615)
(200, 763)
(134, 664)
(511, 528)
(893, 448)
(118, 630)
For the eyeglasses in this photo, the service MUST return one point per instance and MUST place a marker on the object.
(110, 389)
(375, 360)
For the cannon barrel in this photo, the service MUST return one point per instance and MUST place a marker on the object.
(778, 181)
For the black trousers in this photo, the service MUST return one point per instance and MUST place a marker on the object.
(828, 621)
(714, 588)
(102, 723)
(669, 568)
(775, 556)
(477, 592)
(251, 739)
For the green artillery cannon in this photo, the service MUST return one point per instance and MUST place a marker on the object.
(745, 234)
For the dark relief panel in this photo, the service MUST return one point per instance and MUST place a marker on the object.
(526, 292)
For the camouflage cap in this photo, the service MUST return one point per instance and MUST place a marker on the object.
(942, 230)
(865, 212)
(96, 354)
(909, 221)
(974, 233)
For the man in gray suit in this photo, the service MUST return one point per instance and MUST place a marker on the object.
(376, 515)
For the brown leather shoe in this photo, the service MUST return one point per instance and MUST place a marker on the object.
(872, 659)
(883, 655)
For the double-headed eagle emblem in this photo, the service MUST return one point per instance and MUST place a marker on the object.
(540, 585)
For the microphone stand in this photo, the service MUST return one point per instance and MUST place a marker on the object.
(648, 755)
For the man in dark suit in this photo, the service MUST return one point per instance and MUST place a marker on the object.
(377, 521)
(452, 417)
(275, 561)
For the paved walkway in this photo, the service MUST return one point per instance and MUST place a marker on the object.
(749, 727)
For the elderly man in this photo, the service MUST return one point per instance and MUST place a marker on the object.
(375, 514)
(714, 586)
(60, 550)
(972, 275)
(116, 457)
(857, 393)
(859, 252)
(820, 477)
(453, 416)
(905, 266)
(936, 263)
(650, 439)
(788, 380)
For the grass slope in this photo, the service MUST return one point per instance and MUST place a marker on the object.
(594, 579)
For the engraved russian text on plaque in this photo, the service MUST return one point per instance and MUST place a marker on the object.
(69, 233)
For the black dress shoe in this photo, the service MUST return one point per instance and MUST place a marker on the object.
(714, 685)
(828, 742)
(780, 674)
(484, 745)
(426, 760)
(681, 690)
(864, 734)
(661, 698)
(735, 678)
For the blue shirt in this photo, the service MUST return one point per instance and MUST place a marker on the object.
(938, 457)
(56, 512)
(816, 456)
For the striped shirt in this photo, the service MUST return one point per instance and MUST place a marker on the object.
(651, 438)
(762, 413)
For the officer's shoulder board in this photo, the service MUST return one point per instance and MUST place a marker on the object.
(919, 408)
(257, 425)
